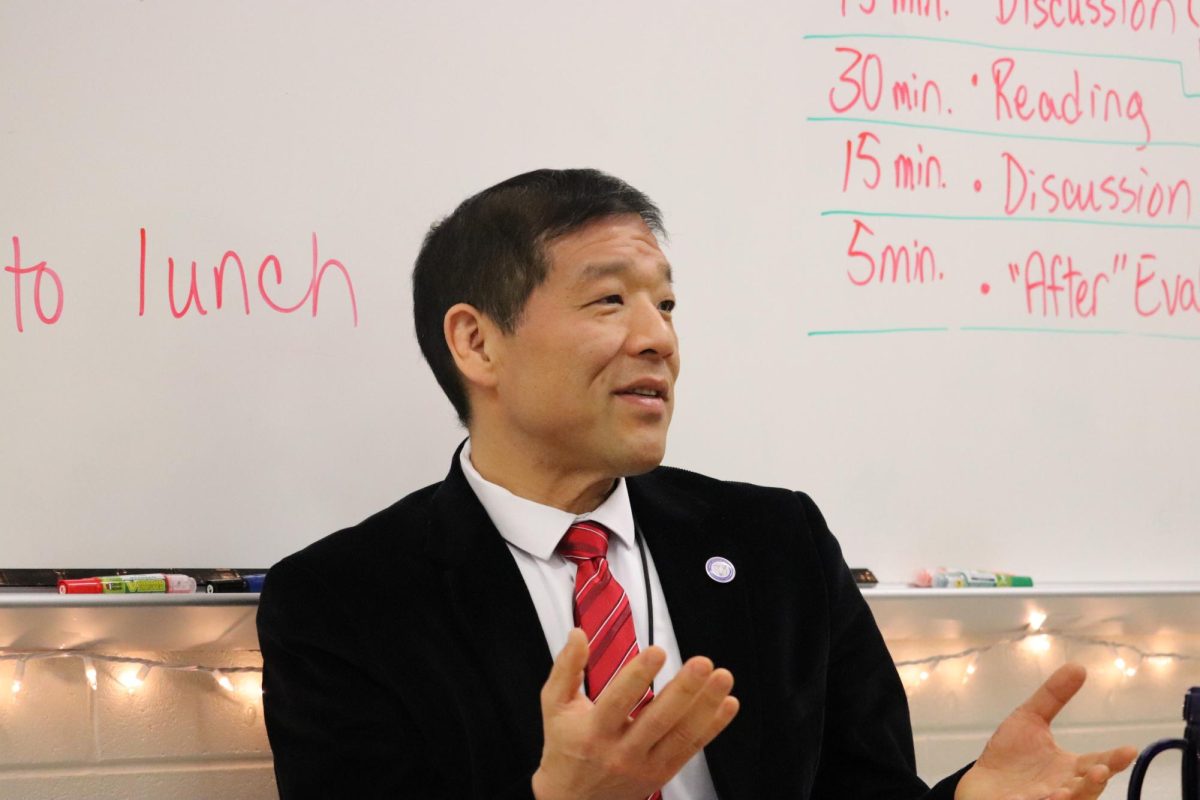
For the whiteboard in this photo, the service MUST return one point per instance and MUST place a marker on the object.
(933, 420)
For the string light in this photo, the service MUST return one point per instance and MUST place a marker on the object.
(223, 680)
(18, 676)
(1038, 644)
(1125, 668)
(1040, 641)
(917, 671)
(252, 689)
(134, 680)
(131, 679)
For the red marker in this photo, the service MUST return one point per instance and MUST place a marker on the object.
(80, 586)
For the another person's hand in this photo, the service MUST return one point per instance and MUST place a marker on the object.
(1022, 761)
(595, 751)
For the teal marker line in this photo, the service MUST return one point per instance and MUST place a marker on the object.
(1170, 336)
(877, 331)
(1075, 332)
(1039, 50)
(1036, 137)
(1165, 226)
(1006, 329)
(1068, 331)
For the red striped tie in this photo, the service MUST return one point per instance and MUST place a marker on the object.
(601, 610)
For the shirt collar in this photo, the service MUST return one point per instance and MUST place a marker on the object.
(537, 528)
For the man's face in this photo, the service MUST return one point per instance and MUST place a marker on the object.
(586, 382)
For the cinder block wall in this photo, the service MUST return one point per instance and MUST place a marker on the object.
(178, 736)
(181, 736)
(952, 720)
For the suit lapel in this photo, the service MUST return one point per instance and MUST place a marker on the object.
(709, 618)
(492, 607)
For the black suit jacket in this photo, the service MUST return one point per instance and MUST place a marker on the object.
(403, 656)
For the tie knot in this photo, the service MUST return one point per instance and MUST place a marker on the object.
(584, 541)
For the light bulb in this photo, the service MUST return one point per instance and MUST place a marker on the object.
(18, 676)
(1039, 644)
(252, 688)
(1036, 620)
(89, 669)
(132, 680)
(223, 680)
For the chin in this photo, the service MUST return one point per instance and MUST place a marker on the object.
(642, 459)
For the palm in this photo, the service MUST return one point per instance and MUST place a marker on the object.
(1021, 753)
(1022, 761)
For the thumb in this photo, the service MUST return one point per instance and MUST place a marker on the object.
(566, 676)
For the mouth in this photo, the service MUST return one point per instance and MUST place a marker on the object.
(648, 393)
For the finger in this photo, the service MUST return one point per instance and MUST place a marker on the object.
(1087, 786)
(1091, 784)
(1121, 758)
(566, 675)
(720, 720)
(693, 729)
(679, 754)
(725, 713)
(627, 687)
(1062, 793)
(1058, 689)
(1116, 759)
(669, 705)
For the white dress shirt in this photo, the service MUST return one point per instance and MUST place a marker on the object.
(532, 532)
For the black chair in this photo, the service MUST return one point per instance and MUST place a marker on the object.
(1189, 744)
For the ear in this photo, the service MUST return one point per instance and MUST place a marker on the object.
(471, 336)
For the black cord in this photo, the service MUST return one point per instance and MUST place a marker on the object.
(637, 537)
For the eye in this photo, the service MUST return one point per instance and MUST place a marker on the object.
(612, 299)
(667, 305)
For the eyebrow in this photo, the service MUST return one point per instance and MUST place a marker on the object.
(594, 272)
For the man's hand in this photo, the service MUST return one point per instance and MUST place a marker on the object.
(597, 752)
(1022, 761)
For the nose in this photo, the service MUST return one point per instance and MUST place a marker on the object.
(651, 332)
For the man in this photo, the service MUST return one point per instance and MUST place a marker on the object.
(544, 307)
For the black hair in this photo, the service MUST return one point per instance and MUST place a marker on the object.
(490, 253)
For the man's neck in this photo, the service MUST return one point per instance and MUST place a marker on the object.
(534, 478)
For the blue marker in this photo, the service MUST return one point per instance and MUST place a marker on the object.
(246, 583)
